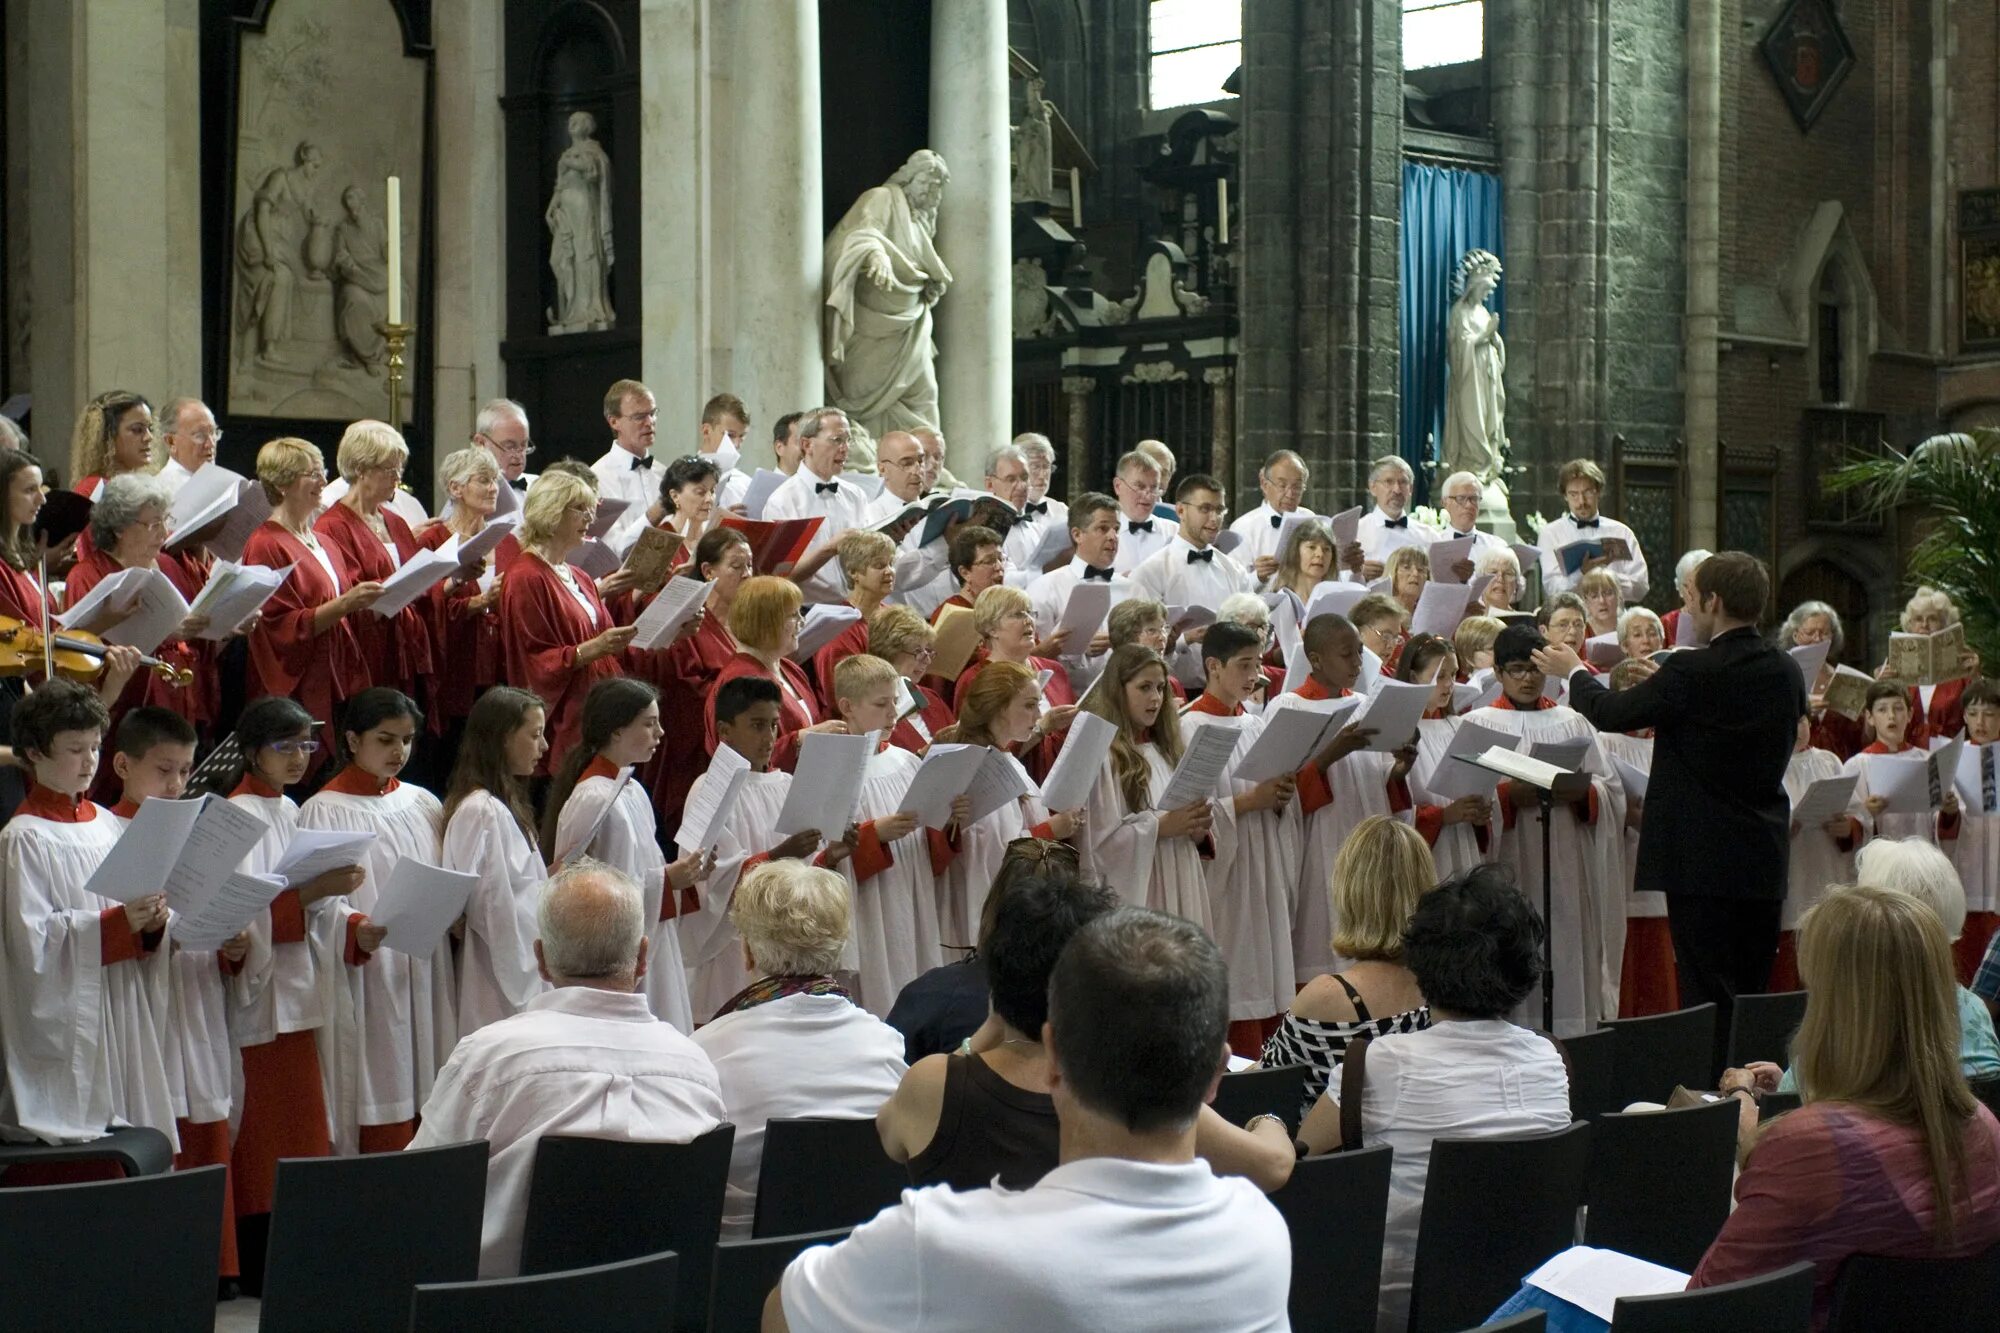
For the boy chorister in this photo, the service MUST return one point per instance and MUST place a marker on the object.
(1821, 855)
(1888, 716)
(1977, 849)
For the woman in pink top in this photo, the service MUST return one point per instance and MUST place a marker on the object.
(1888, 1126)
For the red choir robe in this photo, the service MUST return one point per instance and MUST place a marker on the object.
(1058, 693)
(397, 648)
(847, 643)
(685, 674)
(916, 731)
(1945, 717)
(796, 709)
(286, 657)
(541, 625)
(465, 644)
(1840, 736)
(20, 595)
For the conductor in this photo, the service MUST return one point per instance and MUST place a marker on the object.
(1718, 821)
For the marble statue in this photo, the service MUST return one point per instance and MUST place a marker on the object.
(579, 220)
(360, 269)
(883, 275)
(271, 256)
(1034, 162)
(1475, 429)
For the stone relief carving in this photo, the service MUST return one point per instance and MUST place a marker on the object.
(1475, 428)
(1162, 294)
(579, 222)
(1034, 157)
(1153, 372)
(883, 276)
(1032, 315)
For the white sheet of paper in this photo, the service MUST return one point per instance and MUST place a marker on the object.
(1566, 754)
(1445, 554)
(1969, 766)
(136, 607)
(1824, 798)
(1346, 526)
(1227, 540)
(1480, 690)
(236, 902)
(1632, 779)
(483, 542)
(140, 861)
(1809, 657)
(1452, 779)
(418, 904)
(726, 455)
(1083, 615)
(233, 593)
(1184, 618)
(1602, 650)
(826, 784)
(1944, 761)
(666, 613)
(705, 819)
(824, 622)
(582, 844)
(1076, 766)
(1371, 673)
(1288, 743)
(1199, 772)
(1394, 707)
(222, 836)
(1440, 606)
(595, 559)
(206, 496)
(946, 771)
(1594, 1279)
(1334, 598)
(1903, 780)
(1054, 542)
(419, 574)
(313, 852)
(252, 508)
(1000, 779)
(609, 510)
(762, 484)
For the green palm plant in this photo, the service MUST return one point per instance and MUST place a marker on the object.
(1956, 480)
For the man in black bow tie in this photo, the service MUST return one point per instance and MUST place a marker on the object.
(818, 490)
(1582, 485)
(626, 470)
(1095, 528)
(1283, 481)
(1136, 484)
(1389, 524)
(1040, 516)
(501, 429)
(1191, 572)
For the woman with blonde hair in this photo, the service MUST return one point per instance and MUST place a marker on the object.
(868, 564)
(1152, 857)
(1407, 570)
(1935, 710)
(1472, 643)
(1889, 1153)
(374, 541)
(114, 435)
(906, 641)
(557, 639)
(1382, 869)
(304, 647)
(465, 624)
(1601, 602)
(1005, 620)
(764, 619)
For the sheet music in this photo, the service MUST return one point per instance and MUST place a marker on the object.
(1199, 772)
(582, 844)
(475, 549)
(1083, 615)
(1809, 658)
(251, 509)
(1566, 754)
(137, 607)
(222, 835)
(826, 784)
(1054, 542)
(1603, 650)
(1451, 779)
(1293, 735)
(706, 816)
(1393, 711)
(1077, 764)
(1335, 598)
(1477, 692)
(418, 904)
(595, 559)
(205, 497)
(759, 494)
(1227, 541)
(946, 771)
(609, 510)
(1445, 554)
(1000, 779)
(1439, 609)
(726, 455)
(1346, 526)
(665, 614)
(138, 863)
(313, 852)
(1824, 798)
(233, 594)
(1969, 777)
(236, 902)
(1634, 780)
(824, 622)
(419, 574)
(1181, 619)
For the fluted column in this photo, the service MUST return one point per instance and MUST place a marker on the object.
(969, 130)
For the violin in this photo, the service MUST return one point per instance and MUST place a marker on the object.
(74, 654)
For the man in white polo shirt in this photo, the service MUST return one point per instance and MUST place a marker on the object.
(1283, 480)
(1131, 1230)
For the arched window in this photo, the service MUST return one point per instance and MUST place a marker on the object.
(1836, 376)
(1194, 45)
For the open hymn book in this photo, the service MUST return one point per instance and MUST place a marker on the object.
(1927, 659)
(1560, 782)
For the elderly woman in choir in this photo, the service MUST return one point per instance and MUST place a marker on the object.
(114, 435)
(765, 620)
(1503, 593)
(1640, 633)
(1408, 569)
(1816, 622)
(868, 564)
(794, 1043)
(1305, 562)
(465, 640)
(1005, 620)
(374, 541)
(556, 637)
(305, 646)
(901, 637)
(1935, 710)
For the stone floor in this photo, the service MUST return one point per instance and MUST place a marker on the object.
(237, 1316)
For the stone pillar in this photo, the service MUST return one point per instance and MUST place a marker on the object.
(1076, 395)
(1221, 380)
(778, 230)
(969, 130)
(674, 297)
(1704, 222)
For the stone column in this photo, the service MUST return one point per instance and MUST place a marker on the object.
(778, 230)
(1221, 380)
(1704, 222)
(674, 298)
(1076, 394)
(969, 130)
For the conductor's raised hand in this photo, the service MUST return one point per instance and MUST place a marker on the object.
(1557, 660)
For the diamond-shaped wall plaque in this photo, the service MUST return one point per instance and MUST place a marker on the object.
(1809, 55)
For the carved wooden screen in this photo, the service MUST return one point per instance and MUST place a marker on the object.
(1650, 491)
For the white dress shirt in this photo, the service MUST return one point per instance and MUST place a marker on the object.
(1025, 537)
(1181, 576)
(1049, 594)
(174, 475)
(1259, 530)
(618, 479)
(1135, 547)
(1099, 1244)
(1558, 533)
(576, 1061)
(1378, 539)
(804, 1055)
(804, 495)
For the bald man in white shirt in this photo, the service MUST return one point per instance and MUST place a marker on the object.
(191, 436)
(585, 1059)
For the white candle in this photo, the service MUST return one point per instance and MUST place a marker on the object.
(1222, 210)
(395, 250)
(1075, 197)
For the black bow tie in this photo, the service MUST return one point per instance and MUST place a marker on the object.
(1277, 520)
(1146, 527)
(1206, 557)
(1403, 522)
(1585, 522)
(1034, 507)
(642, 461)
(519, 483)
(826, 488)
(1093, 572)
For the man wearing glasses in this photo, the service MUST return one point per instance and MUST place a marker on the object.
(1141, 533)
(191, 438)
(1283, 481)
(1460, 499)
(818, 490)
(1039, 514)
(626, 471)
(501, 429)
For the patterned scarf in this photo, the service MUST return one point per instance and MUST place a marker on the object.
(766, 989)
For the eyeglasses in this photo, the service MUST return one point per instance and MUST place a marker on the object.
(1520, 670)
(1140, 487)
(206, 435)
(1286, 487)
(521, 447)
(1210, 511)
(295, 747)
(1461, 499)
(642, 417)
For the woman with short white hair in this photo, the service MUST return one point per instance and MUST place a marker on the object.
(466, 651)
(1935, 710)
(1503, 592)
(793, 1043)
(374, 542)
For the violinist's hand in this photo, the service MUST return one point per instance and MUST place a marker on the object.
(121, 663)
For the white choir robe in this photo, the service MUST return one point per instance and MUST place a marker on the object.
(87, 1046)
(1359, 787)
(1887, 824)
(1378, 539)
(1638, 752)
(1177, 576)
(579, 1062)
(1457, 848)
(1560, 532)
(1049, 595)
(1123, 848)
(1976, 853)
(1588, 860)
(982, 846)
(278, 988)
(391, 1022)
(1253, 882)
(1817, 861)
(1260, 533)
(497, 971)
(629, 840)
(710, 946)
(894, 939)
(1139, 539)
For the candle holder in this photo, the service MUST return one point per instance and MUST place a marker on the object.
(395, 335)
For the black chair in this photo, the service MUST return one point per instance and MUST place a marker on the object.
(1654, 1054)
(1882, 1295)
(351, 1236)
(112, 1254)
(1494, 1209)
(1528, 1321)
(1254, 1092)
(1761, 1027)
(1774, 1104)
(636, 1296)
(1592, 1071)
(820, 1174)
(138, 1150)
(599, 1201)
(1779, 1302)
(745, 1272)
(1336, 1208)
(1660, 1181)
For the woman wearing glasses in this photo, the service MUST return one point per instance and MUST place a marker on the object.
(374, 541)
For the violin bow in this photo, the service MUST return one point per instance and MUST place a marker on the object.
(42, 571)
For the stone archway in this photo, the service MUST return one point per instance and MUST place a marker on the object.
(1852, 579)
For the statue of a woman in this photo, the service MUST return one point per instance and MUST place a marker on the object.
(579, 218)
(1475, 428)
(1034, 162)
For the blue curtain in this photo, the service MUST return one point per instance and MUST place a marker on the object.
(1445, 213)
